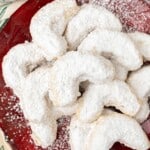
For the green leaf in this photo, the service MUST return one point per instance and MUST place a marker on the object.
(2, 148)
(2, 24)
(3, 9)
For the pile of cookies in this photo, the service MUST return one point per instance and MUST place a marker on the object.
(82, 47)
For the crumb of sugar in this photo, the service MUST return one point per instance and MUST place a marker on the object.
(61, 143)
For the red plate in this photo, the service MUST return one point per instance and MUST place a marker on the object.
(16, 31)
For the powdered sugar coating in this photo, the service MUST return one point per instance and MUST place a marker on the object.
(135, 139)
(73, 68)
(121, 71)
(11, 114)
(90, 17)
(51, 24)
(62, 141)
(19, 63)
(142, 42)
(115, 93)
(139, 81)
(133, 14)
(92, 136)
(113, 45)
